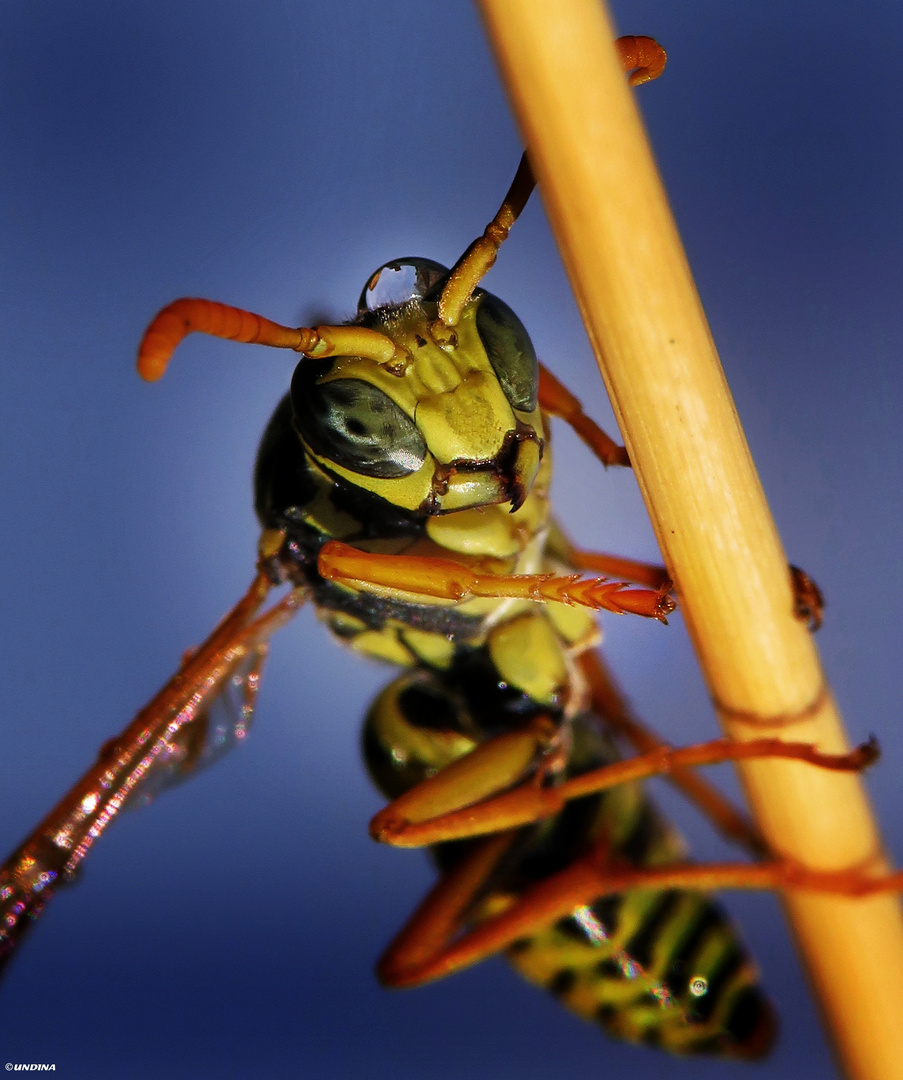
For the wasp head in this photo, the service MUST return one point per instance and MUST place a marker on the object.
(454, 425)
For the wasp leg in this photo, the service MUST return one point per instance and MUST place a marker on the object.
(651, 575)
(584, 882)
(445, 579)
(188, 315)
(557, 400)
(664, 759)
(609, 702)
(809, 603)
(530, 802)
(462, 798)
(642, 56)
(632, 570)
(412, 956)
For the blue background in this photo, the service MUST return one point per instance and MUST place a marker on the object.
(273, 160)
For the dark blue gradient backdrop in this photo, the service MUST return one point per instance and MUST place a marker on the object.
(272, 157)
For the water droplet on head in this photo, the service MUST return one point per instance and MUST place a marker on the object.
(398, 282)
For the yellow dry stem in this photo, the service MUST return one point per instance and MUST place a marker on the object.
(620, 246)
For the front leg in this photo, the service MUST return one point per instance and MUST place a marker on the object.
(557, 400)
(444, 579)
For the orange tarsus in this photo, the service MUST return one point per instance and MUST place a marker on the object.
(808, 601)
(643, 56)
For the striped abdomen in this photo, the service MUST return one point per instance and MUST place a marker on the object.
(660, 967)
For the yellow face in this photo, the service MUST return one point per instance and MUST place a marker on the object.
(455, 426)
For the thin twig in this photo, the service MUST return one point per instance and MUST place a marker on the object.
(627, 266)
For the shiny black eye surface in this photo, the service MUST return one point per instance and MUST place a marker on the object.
(354, 424)
(510, 351)
(395, 283)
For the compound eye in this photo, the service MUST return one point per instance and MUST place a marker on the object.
(510, 351)
(397, 282)
(354, 424)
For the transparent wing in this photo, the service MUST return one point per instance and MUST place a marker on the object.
(220, 723)
(198, 716)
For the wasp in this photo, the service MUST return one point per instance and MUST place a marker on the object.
(403, 489)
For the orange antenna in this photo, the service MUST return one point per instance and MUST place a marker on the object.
(185, 316)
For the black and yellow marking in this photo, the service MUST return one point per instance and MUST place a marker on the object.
(663, 968)
(443, 452)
